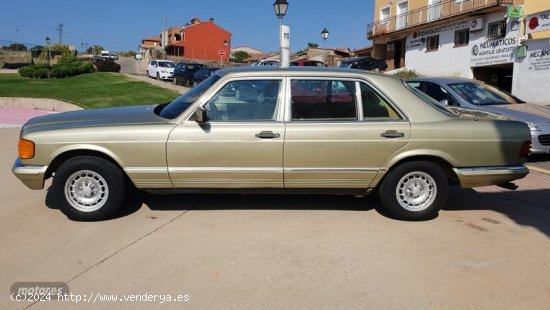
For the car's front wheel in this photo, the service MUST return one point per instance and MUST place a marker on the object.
(415, 190)
(88, 188)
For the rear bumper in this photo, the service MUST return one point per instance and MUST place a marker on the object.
(494, 175)
(31, 176)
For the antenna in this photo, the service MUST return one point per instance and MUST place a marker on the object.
(60, 29)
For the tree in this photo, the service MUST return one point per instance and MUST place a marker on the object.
(96, 49)
(240, 56)
(17, 47)
(312, 45)
(64, 49)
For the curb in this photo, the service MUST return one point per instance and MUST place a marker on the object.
(38, 104)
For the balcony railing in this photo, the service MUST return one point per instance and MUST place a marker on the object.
(430, 14)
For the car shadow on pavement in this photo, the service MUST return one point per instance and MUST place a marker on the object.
(529, 208)
(198, 202)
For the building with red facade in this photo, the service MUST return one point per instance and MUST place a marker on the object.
(197, 40)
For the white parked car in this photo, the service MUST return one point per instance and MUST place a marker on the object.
(161, 69)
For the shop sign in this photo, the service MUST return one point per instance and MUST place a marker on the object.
(539, 60)
(538, 22)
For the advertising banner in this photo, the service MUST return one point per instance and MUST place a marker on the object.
(538, 22)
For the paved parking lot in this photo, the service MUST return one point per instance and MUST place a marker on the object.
(488, 249)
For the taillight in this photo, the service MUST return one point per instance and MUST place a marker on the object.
(524, 151)
(25, 148)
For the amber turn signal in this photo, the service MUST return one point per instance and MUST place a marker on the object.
(26, 149)
(525, 147)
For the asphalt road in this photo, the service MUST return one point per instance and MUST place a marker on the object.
(489, 249)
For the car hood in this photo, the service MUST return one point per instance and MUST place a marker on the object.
(94, 118)
(521, 112)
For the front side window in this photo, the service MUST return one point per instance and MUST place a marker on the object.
(326, 100)
(245, 101)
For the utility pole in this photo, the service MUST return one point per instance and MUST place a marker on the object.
(60, 29)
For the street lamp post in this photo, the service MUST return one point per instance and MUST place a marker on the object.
(280, 7)
(49, 54)
(225, 44)
(324, 36)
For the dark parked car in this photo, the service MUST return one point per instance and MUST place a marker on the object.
(365, 63)
(203, 74)
(308, 63)
(184, 73)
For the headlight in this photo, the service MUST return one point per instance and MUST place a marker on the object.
(534, 127)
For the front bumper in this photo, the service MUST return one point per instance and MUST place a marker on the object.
(484, 176)
(31, 176)
(166, 76)
(540, 143)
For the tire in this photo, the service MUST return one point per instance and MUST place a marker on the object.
(414, 191)
(88, 188)
(158, 76)
(187, 83)
(148, 75)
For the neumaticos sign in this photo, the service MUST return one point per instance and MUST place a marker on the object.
(538, 22)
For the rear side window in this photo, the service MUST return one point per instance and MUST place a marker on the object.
(374, 106)
(327, 100)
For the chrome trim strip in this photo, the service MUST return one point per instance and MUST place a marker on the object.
(331, 169)
(491, 170)
(222, 169)
(21, 169)
(145, 169)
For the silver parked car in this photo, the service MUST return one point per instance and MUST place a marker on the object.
(472, 94)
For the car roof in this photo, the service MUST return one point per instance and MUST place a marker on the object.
(297, 69)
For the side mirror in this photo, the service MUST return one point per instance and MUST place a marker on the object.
(200, 116)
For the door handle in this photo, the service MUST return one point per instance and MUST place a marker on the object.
(267, 135)
(392, 134)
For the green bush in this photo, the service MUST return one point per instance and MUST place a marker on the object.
(408, 74)
(107, 65)
(67, 66)
(39, 71)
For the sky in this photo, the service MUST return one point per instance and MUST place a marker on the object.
(119, 25)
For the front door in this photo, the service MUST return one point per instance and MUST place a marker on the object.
(240, 146)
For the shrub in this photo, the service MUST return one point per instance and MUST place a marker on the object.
(40, 71)
(67, 66)
(408, 74)
(107, 65)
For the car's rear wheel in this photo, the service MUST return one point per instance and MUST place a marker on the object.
(414, 190)
(88, 188)
(158, 76)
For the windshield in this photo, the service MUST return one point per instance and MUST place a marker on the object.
(167, 64)
(431, 101)
(481, 94)
(176, 107)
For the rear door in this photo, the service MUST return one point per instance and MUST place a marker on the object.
(338, 132)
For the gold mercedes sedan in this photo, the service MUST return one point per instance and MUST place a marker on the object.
(274, 130)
